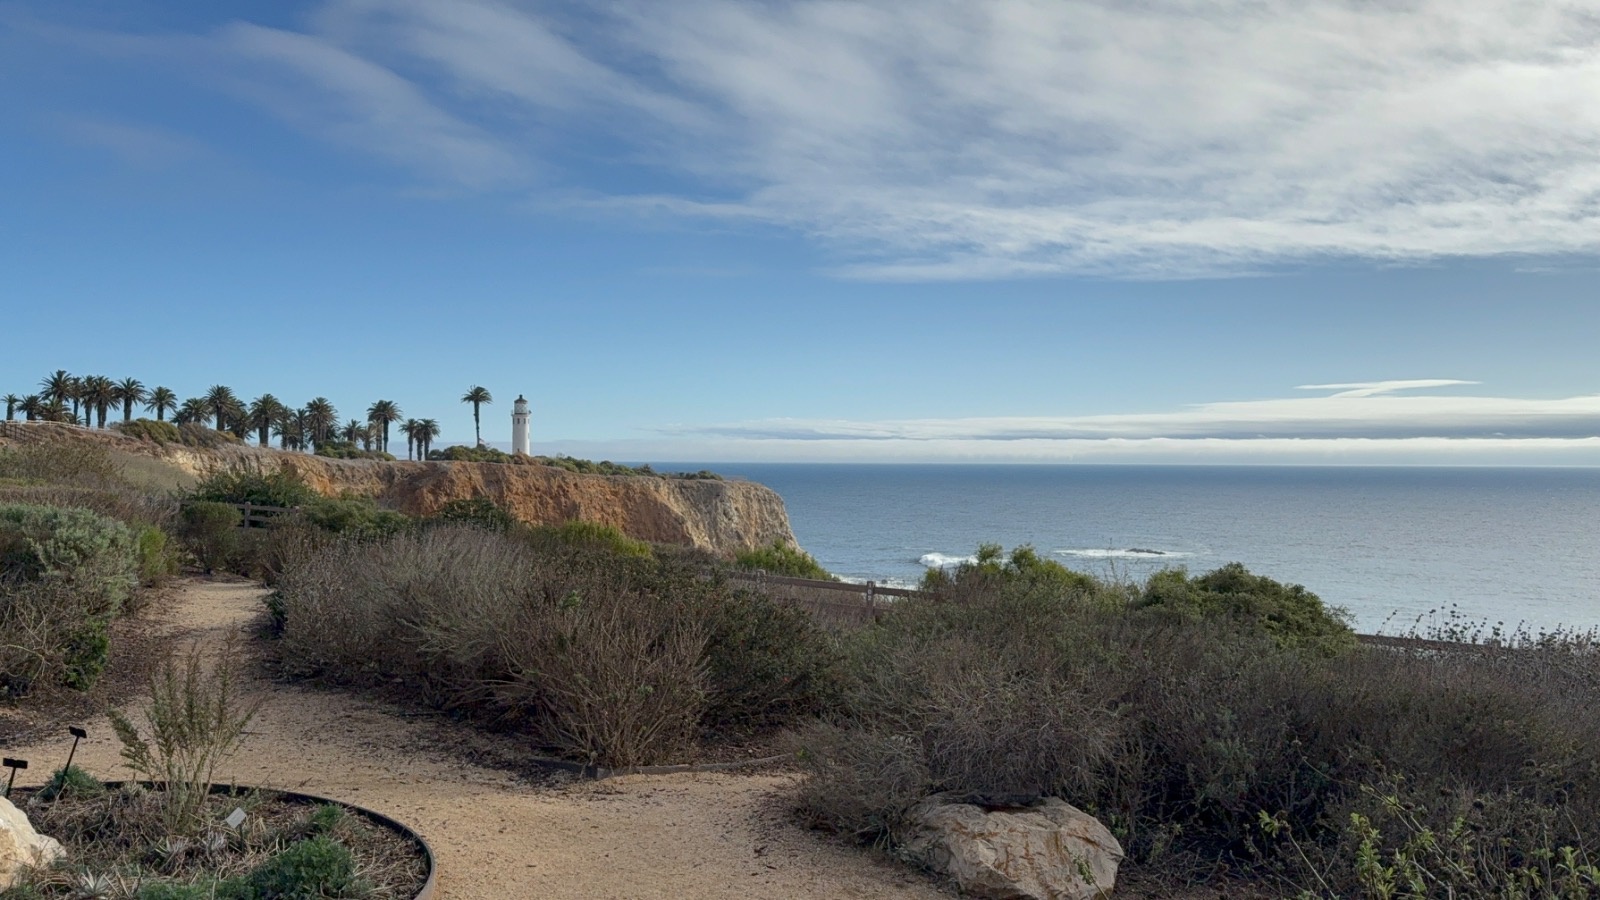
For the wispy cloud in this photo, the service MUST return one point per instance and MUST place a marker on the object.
(949, 139)
(1362, 410)
(140, 145)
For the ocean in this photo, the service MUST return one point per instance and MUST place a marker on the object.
(1389, 544)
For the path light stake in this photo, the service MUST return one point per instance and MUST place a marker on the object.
(78, 734)
(13, 765)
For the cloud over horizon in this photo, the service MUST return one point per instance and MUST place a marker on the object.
(1363, 411)
(949, 140)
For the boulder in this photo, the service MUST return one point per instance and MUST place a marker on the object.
(1048, 850)
(21, 846)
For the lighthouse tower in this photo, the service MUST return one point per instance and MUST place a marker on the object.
(519, 426)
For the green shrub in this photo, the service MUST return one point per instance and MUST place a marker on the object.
(90, 552)
(282, 488)
(586, 535)
(64, 573)
(71, 781)
(210, 530)
(1290, 614)
(156, 554)
(194, 434)
(349, 451)
(353, 515)
(780, 558)
(479, 511)
(313, 868)
(767, 664)
(156, 432)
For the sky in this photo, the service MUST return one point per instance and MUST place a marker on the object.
(1175, 231)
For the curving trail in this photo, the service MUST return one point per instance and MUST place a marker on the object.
(693, 835)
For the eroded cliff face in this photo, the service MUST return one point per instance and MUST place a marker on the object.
(720, 516)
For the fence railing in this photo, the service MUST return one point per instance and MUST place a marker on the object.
(252, 515)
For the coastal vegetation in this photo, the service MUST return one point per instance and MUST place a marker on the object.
(1224, 725)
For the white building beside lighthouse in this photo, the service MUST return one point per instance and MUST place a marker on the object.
(519, 426)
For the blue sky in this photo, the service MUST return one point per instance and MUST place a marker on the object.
(712, 231)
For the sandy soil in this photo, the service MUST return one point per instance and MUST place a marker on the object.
(502, 835)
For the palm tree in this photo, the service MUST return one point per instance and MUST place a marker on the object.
(56, 411)
(58, 386)
(11, 401)
(31, 406)
(264, 413)
(409, 429)
(321, 420)
(477, 396)
(219, 400)
(381, 414)
(98, 393)
(287, 427)
(129, 391)
(236, 419)
(424, 433)
(355, 432)
(193, 411)
(161, 400)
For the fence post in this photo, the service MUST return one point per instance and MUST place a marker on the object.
(246, 520)
(872, 605)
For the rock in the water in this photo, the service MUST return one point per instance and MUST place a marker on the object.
(1050, 850)
(21, 846)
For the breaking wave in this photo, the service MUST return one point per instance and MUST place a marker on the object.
(1130, 553)
(945, 560)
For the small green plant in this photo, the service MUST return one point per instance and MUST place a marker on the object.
(317, 867)
(780, 558)
(70, 782)
(210, 530)
(195, 721)
(157, 557)
(326, 818)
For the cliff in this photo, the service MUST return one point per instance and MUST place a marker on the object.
(720, 516)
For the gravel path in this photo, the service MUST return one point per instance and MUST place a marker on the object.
(695, 835)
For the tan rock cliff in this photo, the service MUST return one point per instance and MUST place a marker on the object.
(720, 516)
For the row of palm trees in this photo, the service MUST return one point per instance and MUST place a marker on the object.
(90, 399)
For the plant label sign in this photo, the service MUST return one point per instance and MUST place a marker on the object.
(235, 818)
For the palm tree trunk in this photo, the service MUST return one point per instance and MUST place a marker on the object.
(477, 426)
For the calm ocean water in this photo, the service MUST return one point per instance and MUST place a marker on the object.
(1390, 544)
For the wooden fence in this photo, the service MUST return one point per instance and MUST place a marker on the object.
(256, 515)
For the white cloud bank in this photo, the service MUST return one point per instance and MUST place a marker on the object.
(949, 139)
(1363, 423)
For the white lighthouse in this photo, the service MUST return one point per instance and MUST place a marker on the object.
(519, 426)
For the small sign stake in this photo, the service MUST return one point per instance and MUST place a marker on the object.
(13, 765)
(78, 734)
(234, 819)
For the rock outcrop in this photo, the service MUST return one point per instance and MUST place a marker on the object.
(21, 847)
(1050, 850)
(723, 517)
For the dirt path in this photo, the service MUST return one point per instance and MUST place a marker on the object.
(498, 836)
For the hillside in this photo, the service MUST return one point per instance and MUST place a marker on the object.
(719, 516)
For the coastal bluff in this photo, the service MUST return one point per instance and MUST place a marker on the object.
(722, 517)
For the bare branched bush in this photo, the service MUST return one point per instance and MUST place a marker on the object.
(196, 721)
(1434, 770)
(603, 654)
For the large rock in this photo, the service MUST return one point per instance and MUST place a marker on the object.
(21, 846)
(1049, 850)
